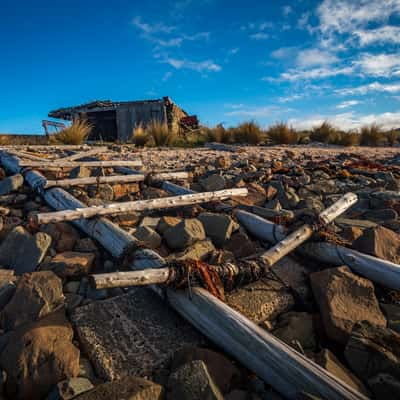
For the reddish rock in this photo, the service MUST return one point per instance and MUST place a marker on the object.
(37, 294)
(64, 235)
(351, 233)
(121, 190)
(256, 197)
(39, 355)
(380, 242)
(71, 263)
(344, 299)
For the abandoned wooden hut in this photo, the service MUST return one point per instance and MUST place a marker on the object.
(115, 121)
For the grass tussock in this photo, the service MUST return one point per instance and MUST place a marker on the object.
(159, 134)
(281, 133)
(325, 133)
(140, 136)
(249, 133)
(348, 139)
(392, 137)
(74, 134)
(219, 134)
(371, 135)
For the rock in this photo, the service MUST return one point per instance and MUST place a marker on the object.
(86, 369)
(127, 388)
(127, 220)
(167, 222)
(222, 371)
(296, 327)
(240, 245)
(11, 184)
(122, 189)
(192, 381)
(213, 182)
(86, 245)
(344, 299)
(22, 251)
(69, 389)
(103, 191)
(197, 251)
(153, 193)
(37, 294)
(270, 192)
(327, 360)
(150, 222)
(184, 234)
(71, 264)
(262, 300)
(7, 286)
(288, 198)
(222, 162)
(72, 300)
(132, 334)
(384, 386)
(351, 233)
(72, 287)
(38, 356)
(79, 172)
(385, 214)
(218, 227)
(379, 242)
(64, 235)
(392, 313)
(372, 350)
(148, 236)
(256, 196)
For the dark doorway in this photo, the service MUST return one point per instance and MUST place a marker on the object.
(104, 125)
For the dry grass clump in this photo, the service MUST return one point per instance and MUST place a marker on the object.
(392, 137)
(281, 133)
(74, 134)
(140, 136)
(248, 132)
(349, 139)
(159, 133)
(371, 135)
(219, 134)
(325, 133)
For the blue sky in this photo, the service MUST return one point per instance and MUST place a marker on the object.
(298, 61)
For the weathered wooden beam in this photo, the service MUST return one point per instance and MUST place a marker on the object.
(140, 205)
(73, 164)
(165, 176)
(27, 155)
(383, 272)
(94, 180)
(87, 153)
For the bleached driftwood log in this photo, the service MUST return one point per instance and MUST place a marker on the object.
(87, 153)
(73, 164)
(380, 271)
(93, 180)
(175, 189)
(165, 176)
(27, 155)
(271, 213)
(140, 205)
(45, 147)
(302, 234)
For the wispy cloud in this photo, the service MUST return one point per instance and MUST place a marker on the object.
(256, 112)
(259, 36)
(371, 87)
(290, 98)
(315, 56)
(348, 104)
(311, 74)
(233, 51)
(151, 28)
(286, 10)
(382, 35)
(199, 66)
(379, 65)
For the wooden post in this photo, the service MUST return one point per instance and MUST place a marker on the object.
(141, 205)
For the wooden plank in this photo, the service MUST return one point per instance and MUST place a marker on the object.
(73, 164)
(94, 180)
(140, 205)
(87, 153)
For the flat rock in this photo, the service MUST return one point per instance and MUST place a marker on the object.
(372, 350)
(344, 299)
(167, 222)
(192, 381)
(11, 184)
(379, 242)
(148, 236)
(64, 235)
(70, 388)
(218, 227)
(71, 264)
(187, 232)
(38, 356)
(22, 251)
(213, 182)
(197, 251)
(132, 334)
(262, 300)
(37, 294)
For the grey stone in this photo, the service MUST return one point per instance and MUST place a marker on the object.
(148, 236)
(132, 334)
(79, 172)
(218, 227)
(197, 251)
(192, 381)
(150, 222)
(70, 388)
(11, 183)
(392, 313)
(213, 182)
(72, 301)
(184, 234)
(22, 251)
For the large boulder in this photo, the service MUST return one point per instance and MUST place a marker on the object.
(184, 234)
(344, 299)
(22, 251)
(218, 227)
(380, 242)
(192, 381)
(11, 183)
(127, 388)
(213, 182)
(372, 350)
(38, 356)
(64, 235)
(37, 294)
(223, 372)
(71, 264)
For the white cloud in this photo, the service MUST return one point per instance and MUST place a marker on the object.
(254, 112)
(284, 52)
(315, 73)
(259, 36)
(286, 10)
(167, 76)
(385, 65)
(302, 23)
(199, 66)
(313, 57)
(151, 28)
(349, 120)
(371, 87)
(233, 51)
(384, 34)
(290, 98)
(348, 103)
